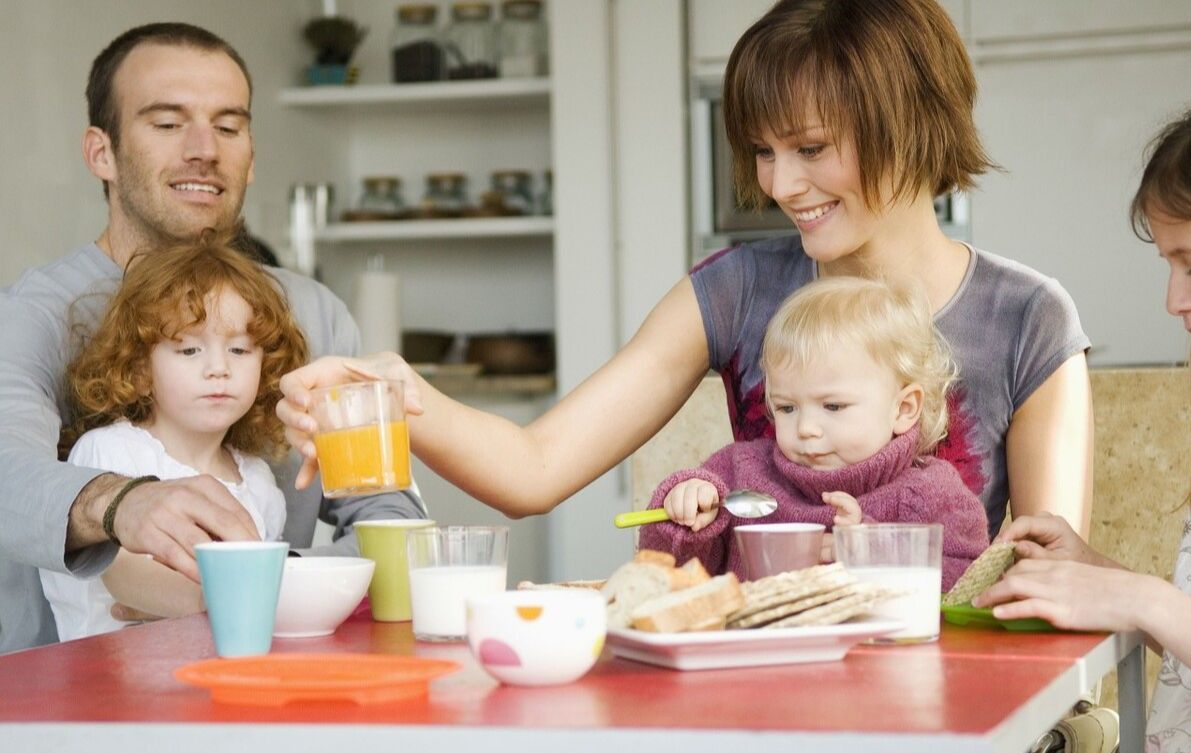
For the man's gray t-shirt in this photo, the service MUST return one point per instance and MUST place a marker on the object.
(1009, 329)
(42, 317)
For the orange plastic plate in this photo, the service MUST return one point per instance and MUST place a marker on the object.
(277, 679)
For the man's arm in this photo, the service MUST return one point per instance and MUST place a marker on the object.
(53, 511)
(37, 492)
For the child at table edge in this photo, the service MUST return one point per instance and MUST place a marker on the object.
(856, 381)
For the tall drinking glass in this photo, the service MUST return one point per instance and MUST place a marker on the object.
(907, 557)
(362, 438)
(447, 566)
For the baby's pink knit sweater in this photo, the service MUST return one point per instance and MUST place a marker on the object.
(893, 486)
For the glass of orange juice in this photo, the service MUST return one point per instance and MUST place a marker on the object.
(362, 438)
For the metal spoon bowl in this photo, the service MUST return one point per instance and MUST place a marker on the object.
(743, 503)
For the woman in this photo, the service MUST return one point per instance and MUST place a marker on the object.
(852, 115)
(1067, 582)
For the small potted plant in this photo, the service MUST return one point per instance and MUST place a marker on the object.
(334, 39)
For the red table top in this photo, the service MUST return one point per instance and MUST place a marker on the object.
(967, 683)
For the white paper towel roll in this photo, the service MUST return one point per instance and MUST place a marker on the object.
(378, 310)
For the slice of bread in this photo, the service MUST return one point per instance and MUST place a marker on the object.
(692, 573)
(654, 557)
(699, 606)
(631, 584)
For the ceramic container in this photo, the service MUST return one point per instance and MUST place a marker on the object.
(772, 548)
(537, 637)
(318, 594)
(240, 581)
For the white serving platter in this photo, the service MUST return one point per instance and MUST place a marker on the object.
(719, 649)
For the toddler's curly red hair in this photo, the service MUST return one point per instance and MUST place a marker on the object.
(164, 292)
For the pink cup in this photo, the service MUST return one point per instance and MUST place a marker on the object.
(772, 548)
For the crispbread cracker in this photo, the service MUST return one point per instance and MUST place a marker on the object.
(836, 611)
(984, 571)
(785, 609)
(784, 592)
(784, 580)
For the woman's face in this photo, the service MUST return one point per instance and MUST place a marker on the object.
(1173, 238)
(815, 179)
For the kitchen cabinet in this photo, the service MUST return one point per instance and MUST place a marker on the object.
(409, 130)
(459, 275)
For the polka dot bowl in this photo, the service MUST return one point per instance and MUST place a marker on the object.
(537, 637)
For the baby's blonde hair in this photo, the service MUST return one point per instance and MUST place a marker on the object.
(892, 324)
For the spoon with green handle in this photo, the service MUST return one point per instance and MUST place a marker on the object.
(743, 503)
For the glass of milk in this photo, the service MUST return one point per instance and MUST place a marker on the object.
(903, 556)
(447, 566)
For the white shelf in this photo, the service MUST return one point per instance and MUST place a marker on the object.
(437, 95)
(472, 227)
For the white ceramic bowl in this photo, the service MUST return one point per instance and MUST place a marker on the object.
(318, 593)
(537, 637)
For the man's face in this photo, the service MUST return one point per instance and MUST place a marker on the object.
(185, 149)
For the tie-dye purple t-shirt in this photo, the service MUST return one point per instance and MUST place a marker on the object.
(1008, 326)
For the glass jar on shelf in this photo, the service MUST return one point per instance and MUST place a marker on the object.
(416, 50)
(470, 42)
(381, 198)
(446, 195)
(522, 39)
(515, 191)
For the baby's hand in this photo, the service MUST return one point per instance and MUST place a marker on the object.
(693, 503)
(847, 509)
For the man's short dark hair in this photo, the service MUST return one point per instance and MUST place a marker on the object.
(103, 111)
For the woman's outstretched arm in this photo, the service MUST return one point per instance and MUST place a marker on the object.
(528, 470)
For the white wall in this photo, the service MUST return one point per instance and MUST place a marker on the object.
(1069, 126)
(50, 203)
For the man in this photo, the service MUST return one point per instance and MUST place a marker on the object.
(169, 136)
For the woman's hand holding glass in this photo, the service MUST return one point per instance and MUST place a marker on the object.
(296, 387)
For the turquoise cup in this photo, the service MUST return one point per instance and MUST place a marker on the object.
(241, 581)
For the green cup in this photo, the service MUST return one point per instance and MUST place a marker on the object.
(383, 542)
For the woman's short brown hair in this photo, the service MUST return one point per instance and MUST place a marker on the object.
(164, 292)
(891, 76)
(1166, 181)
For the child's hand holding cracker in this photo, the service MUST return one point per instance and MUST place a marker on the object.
(693, 503)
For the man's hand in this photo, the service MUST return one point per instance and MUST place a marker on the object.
(168, 518)
(294, 407)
